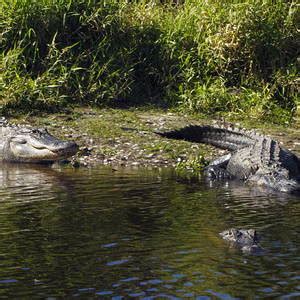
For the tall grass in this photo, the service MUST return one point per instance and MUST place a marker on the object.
(199, 56)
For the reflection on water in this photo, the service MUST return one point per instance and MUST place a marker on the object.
(143, 234)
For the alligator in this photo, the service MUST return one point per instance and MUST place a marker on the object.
(244, 239)
(21, 143)
(253, 157)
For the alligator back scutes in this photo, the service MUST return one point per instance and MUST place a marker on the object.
(223, 137)
(265, 152)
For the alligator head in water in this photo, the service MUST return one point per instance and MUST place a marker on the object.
(26, 144)
(245, 239)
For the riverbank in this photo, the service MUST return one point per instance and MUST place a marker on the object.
(209, 57)
(127, 137)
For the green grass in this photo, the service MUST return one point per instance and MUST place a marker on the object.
(233, 57)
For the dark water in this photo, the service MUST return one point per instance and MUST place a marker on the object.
(140, 234)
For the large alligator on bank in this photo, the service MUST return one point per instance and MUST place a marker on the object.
(254, 158)
(245, 239)
(19, 143)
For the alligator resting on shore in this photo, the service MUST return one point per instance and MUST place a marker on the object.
(32, 145)
(254, 158)
(245, 239)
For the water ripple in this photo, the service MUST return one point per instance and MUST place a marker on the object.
(140, 234)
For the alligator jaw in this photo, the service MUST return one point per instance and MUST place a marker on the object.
(63, 150)
(29, 153)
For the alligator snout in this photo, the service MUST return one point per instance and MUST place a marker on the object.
(67, 148)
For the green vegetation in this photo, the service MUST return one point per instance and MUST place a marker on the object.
(195, 164)
(212, 57)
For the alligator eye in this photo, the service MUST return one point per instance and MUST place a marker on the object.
(228, 234)
(36, 132)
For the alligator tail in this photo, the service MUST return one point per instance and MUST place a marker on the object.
(225, 138)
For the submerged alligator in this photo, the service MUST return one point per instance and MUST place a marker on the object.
(32, 145)
(245, 239)
(254, 158)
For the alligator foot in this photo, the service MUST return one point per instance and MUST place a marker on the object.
(216, 170)
(217, 173)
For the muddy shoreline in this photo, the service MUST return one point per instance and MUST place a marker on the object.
(128, 138)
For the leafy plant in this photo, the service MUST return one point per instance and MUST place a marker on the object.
(237, 57)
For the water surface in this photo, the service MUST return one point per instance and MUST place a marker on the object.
(140, 234)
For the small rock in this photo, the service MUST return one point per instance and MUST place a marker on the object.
(85, 151)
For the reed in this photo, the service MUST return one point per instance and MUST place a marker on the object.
(214, 57)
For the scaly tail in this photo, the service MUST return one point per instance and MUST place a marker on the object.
(225, 138)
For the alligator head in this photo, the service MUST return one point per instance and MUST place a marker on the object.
(24, 144)
(240, 236)
(277, 181)
(245, 239)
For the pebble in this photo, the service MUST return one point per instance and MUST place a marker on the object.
(122, 150)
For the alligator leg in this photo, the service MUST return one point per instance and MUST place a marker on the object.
(217, 168)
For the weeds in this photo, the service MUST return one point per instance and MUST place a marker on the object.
(198, 56)
(194, 164)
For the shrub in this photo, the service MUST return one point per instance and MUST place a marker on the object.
(205, 56)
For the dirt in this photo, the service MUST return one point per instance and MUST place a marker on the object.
(128, 138)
